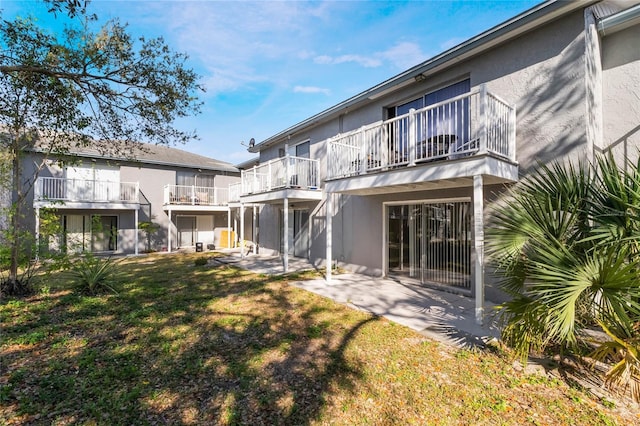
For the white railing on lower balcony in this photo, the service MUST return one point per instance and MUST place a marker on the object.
(195, 195)
(81, 190)
(285, 172)
(477, 122)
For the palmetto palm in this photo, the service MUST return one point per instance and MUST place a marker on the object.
(565, 242)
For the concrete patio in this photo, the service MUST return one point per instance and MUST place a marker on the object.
(441, 315)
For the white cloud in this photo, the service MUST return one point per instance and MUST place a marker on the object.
(238, 43)
(310, 89)
(364, 61)
(404, 55)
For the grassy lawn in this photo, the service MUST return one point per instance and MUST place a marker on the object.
(186, 344)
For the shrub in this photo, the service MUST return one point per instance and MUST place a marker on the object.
(567, 243)
(93, 275)
(19, 287)
(201, 261)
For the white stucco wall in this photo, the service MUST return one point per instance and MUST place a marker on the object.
(621, 92)
(541, 73)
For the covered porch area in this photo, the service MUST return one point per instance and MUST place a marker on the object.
(294, 221)
(433, 241)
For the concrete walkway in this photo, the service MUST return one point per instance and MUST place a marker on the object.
(268, 265)
(443, 316)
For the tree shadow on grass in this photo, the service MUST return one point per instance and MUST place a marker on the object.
(212, 347)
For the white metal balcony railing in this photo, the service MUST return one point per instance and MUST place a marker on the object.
(195, 195)
(81, 190)
(474, 123)
(235, 190)
(285, 172)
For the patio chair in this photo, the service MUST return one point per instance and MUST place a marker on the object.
(461, 148)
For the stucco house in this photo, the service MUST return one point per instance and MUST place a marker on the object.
(396, 181)
(100, 200)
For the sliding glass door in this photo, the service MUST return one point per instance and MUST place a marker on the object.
(431, 242)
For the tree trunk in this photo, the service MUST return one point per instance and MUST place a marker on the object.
(14, 212)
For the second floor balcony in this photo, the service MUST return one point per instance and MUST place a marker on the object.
(476, 124)
(84, 192)
(235, 190)
(286, 173)
(191, 195)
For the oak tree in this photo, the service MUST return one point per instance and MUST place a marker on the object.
(89, 82)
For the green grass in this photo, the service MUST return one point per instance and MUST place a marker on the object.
(186, 344)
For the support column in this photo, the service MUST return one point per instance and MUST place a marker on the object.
(229, 227)
(478, 228)
(242, 230)
(37, 233)
(169, 234)
(285, 232)
(254, 230)
(329, 235)
(135, 237)
(235, 227)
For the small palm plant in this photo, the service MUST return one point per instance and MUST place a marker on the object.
(566, 242)
(93, 275)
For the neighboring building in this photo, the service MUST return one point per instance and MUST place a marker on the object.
(396, 180)
(101, 200)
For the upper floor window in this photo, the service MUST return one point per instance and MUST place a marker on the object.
(432, 98)
(90, 171)
(195, 179)
(300, 150)
(449, 121)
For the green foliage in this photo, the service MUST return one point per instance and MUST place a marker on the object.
(566, 242)
(63, 91)
(244, 340)
(93, 275)
(200, 261)
(149, 228)
(20, 284)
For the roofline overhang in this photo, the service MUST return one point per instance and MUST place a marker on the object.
(98, 156)
(247, 163)
(510, 29)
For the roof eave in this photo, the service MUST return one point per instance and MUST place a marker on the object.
(98, 156)
(514, 27)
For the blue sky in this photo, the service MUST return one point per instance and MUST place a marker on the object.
(268, 65)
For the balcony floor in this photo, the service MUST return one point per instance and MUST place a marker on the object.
(428, 176)
(278, 195)
(87, 205)
(195, 207)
